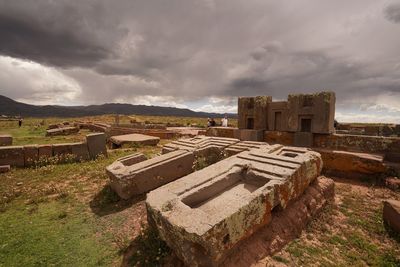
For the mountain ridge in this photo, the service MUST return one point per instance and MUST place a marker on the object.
(11, 107)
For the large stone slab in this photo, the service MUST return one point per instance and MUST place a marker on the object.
(12, 155)
(31, 155)
(352, 165)
(205, 214)
(96, 143)
(80, 151)
(129, 180)
(391, 214)
(45, 151)
(6, 140)
(62, 131)
(134, 139)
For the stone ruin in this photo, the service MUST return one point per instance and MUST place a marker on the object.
(28, 155)
(302, 114)
(204, 214)
(209, 197)
(64, 128)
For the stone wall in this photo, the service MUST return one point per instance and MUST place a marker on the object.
(29, 155)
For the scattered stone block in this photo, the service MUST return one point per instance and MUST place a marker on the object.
(80, 151)
(5, 168)
(303, 139)
(96, 143)
(6, 140)
(391, 214)
(45, 151)
(134, 139)
(130, 180)
(204, 214)
(62, 131)
(31, 155)
(12, 155)
(352, 165)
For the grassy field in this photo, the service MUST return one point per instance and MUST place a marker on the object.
(33, 130)
(67, 215)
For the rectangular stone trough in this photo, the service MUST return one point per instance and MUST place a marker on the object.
(129, 177)
(203, 215)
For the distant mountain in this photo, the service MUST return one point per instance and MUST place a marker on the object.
(13, 108)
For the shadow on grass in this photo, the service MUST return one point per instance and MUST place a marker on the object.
(391, 232)
(148, 249)
(107, 202)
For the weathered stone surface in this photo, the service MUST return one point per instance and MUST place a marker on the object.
(96, 143)
(252, 112)
(131, 159)
(147, 175)
(243, 146)
(5, 168)
(205, 214)
(227, 132)
(303, 139)
(80, 151)
(285, 225)
(200, 145)
(62, 151)
(6, 140)
(134, 139)
(391, 214)
(249, 135)
(301, 112)
(62, 131)
(12, 155)
(277, 137)
(357, 143)
(351, 164)
(31, 155)
(45, 151)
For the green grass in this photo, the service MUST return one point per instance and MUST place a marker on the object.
(350, 234)
(63, 215)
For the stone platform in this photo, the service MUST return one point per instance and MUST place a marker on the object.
(203, 215)
(128, 179)
(134, 139)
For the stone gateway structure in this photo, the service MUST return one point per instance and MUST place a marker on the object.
(313, 113)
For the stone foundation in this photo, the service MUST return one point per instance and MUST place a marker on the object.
(203, 215)
(26, 156)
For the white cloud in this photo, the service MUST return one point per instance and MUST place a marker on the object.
(34, 83)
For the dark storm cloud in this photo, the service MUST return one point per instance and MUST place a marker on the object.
(392, 12)
(23, 39)
(121, 50)
(58, 33)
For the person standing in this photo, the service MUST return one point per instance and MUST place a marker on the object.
(20, 122)
(224, 121)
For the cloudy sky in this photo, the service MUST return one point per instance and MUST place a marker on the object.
(203, 54)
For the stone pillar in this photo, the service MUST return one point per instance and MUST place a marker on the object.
(96, 143)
